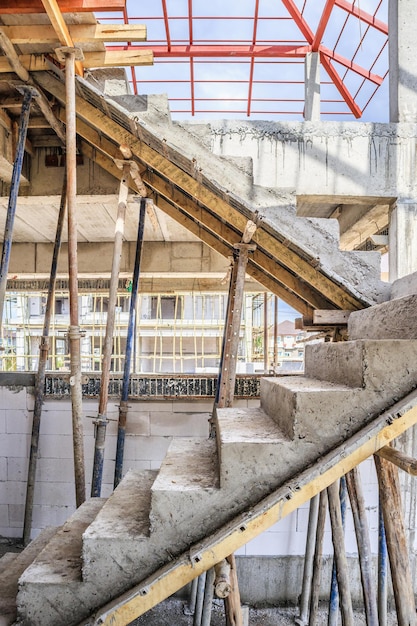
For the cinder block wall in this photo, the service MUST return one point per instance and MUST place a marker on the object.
(151, 427)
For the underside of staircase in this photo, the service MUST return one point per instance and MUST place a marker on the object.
(116, 558)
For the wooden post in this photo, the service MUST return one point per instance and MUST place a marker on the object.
(317, 562)
(233, 609)
(364, 545)
(227, 379)
(69, 55)
(390, 497)
(340, 555)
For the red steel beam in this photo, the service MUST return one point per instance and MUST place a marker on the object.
(166, 22)
(65, 6)
(363, 16)
(220, 51)
(340, 86)
(299, 20)
(358, 69)
(252, 61)
(322, 25)
(191, 37)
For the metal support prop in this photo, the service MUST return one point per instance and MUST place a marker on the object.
(40, 377)
(102, 421)
(121, 430)
(363, 541)
(208, 597)
(334, 590)
(199, 600)
(28, 94)
(74, 333)
(302, 620)
(382, 570)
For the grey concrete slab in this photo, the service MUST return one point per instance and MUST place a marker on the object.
(381, 365)
(394, 319)
(110, 543)
(12, 567)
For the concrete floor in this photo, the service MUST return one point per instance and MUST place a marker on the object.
(171, 613)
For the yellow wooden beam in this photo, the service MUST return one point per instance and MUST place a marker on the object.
(60, 27)
(299, 490)
(43, 34)
(108, 58)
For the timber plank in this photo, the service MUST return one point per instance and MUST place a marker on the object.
(106, 58)
(80, 33)
(66, 6)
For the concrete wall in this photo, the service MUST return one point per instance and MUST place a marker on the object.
(321, 158)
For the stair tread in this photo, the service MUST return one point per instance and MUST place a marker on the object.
(301, 384)
(248, 426)
(190, 464)
(126, 512)
(6, 560)
(13, 567)
(60, 560)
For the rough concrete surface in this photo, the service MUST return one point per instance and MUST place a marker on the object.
(171, 613)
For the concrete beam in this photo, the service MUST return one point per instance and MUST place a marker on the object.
(312, 87)
(402, 19)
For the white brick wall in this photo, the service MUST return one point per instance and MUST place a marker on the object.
(151, 427)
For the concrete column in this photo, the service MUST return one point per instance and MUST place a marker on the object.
(402, 19)
(402, 238)
(312, 87)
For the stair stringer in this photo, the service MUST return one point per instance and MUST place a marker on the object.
(296, 491)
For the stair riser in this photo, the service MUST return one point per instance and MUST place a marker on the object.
(309, 414)
(41, 604)
(371, 364)
(394, 319)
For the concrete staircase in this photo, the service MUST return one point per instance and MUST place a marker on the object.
(109, 546)
(297, 258)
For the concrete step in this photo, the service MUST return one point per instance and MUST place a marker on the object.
(188, 476)
(394, 319)
(254, 452)
(112, 543)
(386, 366)
(6, 560)
(51, 590)
(12, 565)
(306, 408)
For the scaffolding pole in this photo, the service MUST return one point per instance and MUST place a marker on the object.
(40, 378)
(121, 430)
(69, 55)
(102, 420)
(28, 94)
